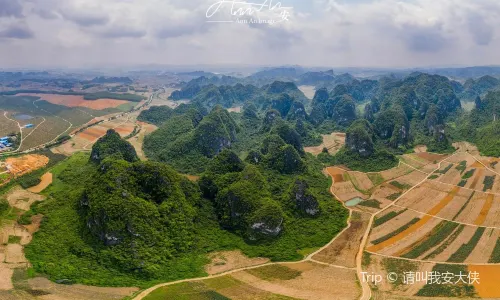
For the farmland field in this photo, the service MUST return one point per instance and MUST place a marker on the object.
(333, 142)
(78, 101)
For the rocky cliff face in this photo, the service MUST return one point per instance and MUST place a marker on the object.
(304, 201)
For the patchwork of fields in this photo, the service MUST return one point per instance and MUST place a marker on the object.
(54, 119)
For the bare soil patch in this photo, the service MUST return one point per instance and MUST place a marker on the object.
(431, 157)
(46, 181)
(235, 109)
(317, 283)
(22, 199)
(5, 277)
(420, 148)
(308, 90)
(25, 164)
(221, 262)
(344, 249)
(398, 171)
(78, 291)
(14, 254)
(79, 101)
(333, 142)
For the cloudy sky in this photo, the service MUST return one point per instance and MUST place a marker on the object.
(330, 33)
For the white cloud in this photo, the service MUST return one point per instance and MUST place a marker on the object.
(326, 33)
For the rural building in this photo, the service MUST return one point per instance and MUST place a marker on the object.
(29, 126)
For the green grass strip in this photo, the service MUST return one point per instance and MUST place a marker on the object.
(446, 243)
(464, 206)
(376, 178)
(387, 217)
(488, 182)
(394, 196)
(437, 235)
(370, 203)
(469, 174)
(462, 166)
(466, 249)
(396, 232)
(445, 170)
(454, 290)
(495, 256)
(399, 185)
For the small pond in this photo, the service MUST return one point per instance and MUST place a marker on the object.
(354, 202)
(23, 117)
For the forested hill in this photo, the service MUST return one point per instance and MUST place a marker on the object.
(400, 112)
(113, 220)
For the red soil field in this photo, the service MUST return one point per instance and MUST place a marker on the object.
(92, 134)
(78, 101)
(124, 130)
(430, 156)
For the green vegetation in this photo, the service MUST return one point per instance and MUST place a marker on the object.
(495, 256)
(14, 239)
(366, 259)
(433, 177)
(274, 272)
(371, 203)
(29, 180)
(488, 182)
(445, 170)
(185, 291)
(135, 223)
(396, 232)
(387, 217)
(376, 178)
(462, 182)
(4, 206)
(464, 206)
(454, 289)
(469, 174)
(399, 266)
(462, 166)
(113, 146)
(394, 196)
(435, 237)
(446, 243)
(7, 213)
(401, 186)
(465, 250)
(379, 161)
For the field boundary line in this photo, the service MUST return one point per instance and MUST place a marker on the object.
(431, 261)
(34, 129)
(469, 189)
(444, 219)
